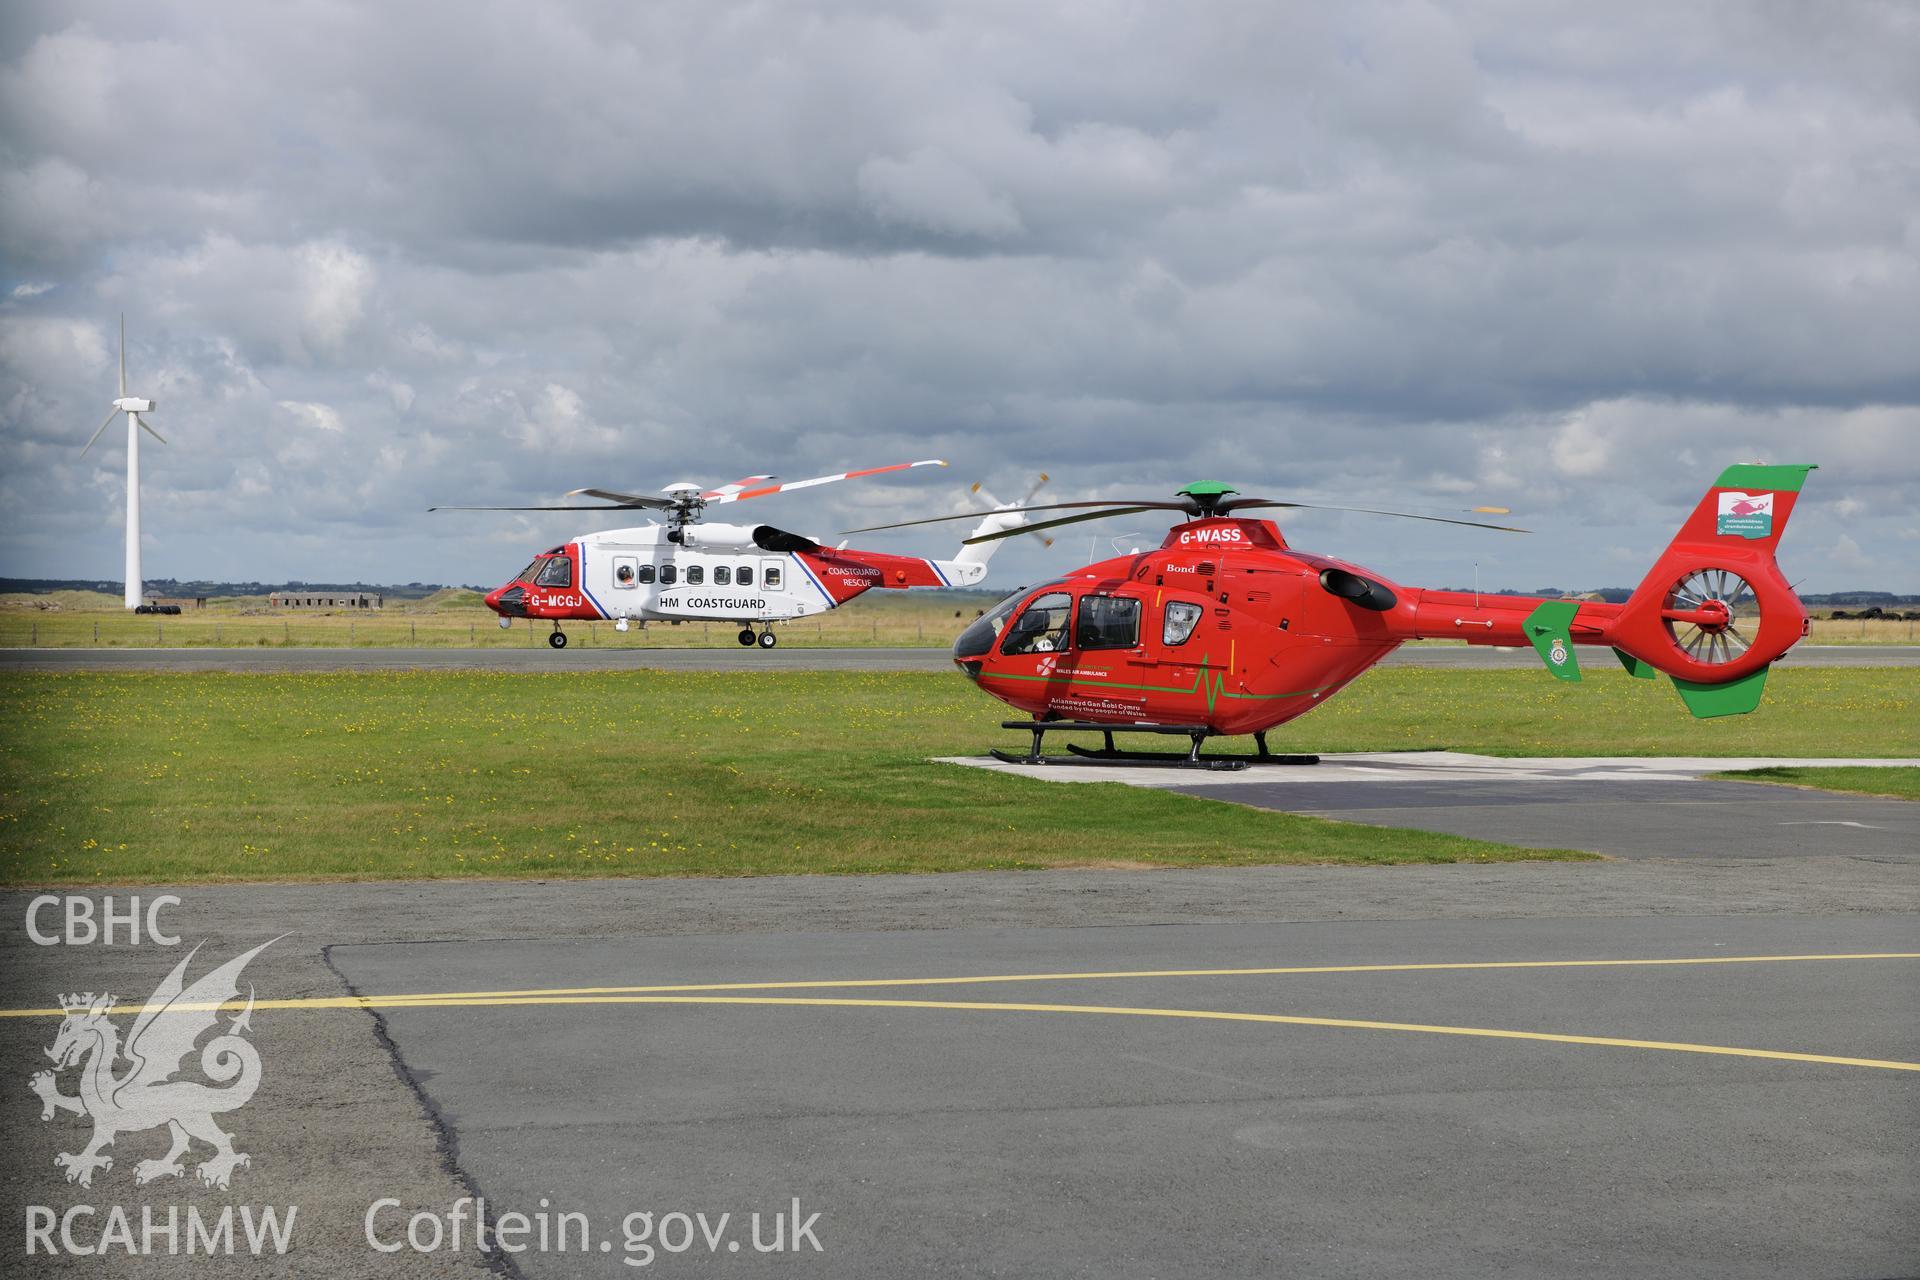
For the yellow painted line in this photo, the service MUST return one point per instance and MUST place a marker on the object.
(430, 997)
(1211, 1015)
(1108, 975)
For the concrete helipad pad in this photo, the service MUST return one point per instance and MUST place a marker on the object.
(1632, 807)
(1423, 766)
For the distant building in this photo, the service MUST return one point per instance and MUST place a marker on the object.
(154, 599)
(317, 599)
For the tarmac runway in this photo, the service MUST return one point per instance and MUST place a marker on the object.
(734, 658)
(1100, 1120)
(1570, 1069)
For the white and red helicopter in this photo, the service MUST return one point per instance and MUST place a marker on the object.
(684, 570)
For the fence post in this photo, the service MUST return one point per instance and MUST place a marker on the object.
(286, 633)
(350, 629)
(469, 633)
(96, 632)
(36, 635)
(412, 635)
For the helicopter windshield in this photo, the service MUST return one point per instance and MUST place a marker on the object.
(979, 637)
(526, 574)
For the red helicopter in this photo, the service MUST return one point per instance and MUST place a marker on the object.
(1225, 629)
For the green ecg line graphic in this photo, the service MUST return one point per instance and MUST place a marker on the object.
(1212, 683)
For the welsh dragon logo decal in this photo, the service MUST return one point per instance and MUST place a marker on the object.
(131, 1085)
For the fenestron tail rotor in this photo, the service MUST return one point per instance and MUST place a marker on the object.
(1712, 615)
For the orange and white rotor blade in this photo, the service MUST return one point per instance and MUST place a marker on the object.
(721, 495)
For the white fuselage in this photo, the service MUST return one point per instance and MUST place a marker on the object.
(716, 573)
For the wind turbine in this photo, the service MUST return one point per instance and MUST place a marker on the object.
(133, 407)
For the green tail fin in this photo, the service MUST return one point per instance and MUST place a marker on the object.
(1734, 698)
(1549, 627)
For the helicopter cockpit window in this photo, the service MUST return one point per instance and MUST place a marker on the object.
(722, 575)
(527, 574)
(696, 575)
(557, 572)
(1180, 621)
(645, 574)
(1041, 627)
(1109, 622)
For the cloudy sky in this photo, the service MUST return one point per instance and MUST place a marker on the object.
(1570, 259)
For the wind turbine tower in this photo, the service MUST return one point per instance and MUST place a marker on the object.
(133, 407)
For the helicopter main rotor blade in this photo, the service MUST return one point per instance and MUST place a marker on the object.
(625, 499)
(722, 495)
(1017, 530)
(1238, 504)
(111, 415)
(621, 507)
(1142, 504)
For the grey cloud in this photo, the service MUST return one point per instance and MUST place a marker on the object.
(1417, 254)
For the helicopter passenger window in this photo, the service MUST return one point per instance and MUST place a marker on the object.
(1109, 622)
(645, 574)
(1180, 621)
(771, 578)
(1042, 628)
(667, 572)
(557, 572)
(623, 572)
(744, 575)
(696, 574)
(722, 575)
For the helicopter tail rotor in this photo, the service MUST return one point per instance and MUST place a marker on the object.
(1715, 610)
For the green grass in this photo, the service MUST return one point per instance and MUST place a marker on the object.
(167, 777)
(1873, 780)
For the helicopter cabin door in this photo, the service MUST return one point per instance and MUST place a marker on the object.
(1108, 658)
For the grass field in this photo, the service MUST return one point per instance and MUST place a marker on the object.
(1900, 784)
(123, 777)
(457, 619)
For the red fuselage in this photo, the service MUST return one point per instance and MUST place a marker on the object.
(1226, 626)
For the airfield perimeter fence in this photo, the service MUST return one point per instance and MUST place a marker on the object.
(892, 627)
(902, 625)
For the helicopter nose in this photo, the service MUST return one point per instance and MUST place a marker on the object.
(509, 601)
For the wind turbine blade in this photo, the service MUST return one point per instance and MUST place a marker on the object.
(112, 414)
(149, 430)
(123, 354)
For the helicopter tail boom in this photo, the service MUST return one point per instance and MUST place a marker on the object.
(1713, 613)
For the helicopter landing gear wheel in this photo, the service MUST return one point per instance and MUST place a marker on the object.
(746, 636)
(1711, 616)
(558, 639)
(768, 640)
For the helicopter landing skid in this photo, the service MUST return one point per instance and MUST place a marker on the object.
(1110, 754)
